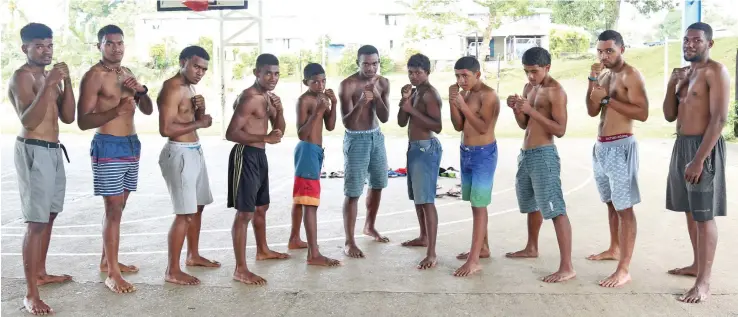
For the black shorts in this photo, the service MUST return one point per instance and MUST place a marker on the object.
(248, 178)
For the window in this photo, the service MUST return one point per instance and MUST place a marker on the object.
(392, 44)
(390, 19)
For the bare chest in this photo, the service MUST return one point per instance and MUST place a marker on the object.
(473, 101)
(539, 100)
(112, 87)
(616, 87)
(693, 92)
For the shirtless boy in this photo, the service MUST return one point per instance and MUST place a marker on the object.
(40, 102)
(474, 113)
(364, 101)
(109, 94)
(181, 113)
(420, 107)
(316, 107)
(541, 112)
(697, 97)
(619, 97)
(248, 171)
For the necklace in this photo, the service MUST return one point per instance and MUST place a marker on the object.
(118, 71)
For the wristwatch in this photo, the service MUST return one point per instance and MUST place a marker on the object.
(605, 101)
(146, 91)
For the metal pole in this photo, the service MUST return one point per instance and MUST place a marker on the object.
(667, 73)
(261, 28)
(221, 75)
(691, 13)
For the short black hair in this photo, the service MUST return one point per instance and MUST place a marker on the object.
(194, 50)
(467, 62)
(704, 27)
(367, 50)
(312, 69)
(108, 29)
(35, 31)
(536, 56)
(420, 61)
(266, 59)
(612, 35)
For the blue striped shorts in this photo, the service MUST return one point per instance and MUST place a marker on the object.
(115, 163)
(364, 156)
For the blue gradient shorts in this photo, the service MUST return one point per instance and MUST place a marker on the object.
(423, 162)
(478, 165)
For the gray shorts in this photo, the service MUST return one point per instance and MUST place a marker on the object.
(538, 182)
(42, 180)
(615, 164)
(708, 198)
(184, 170)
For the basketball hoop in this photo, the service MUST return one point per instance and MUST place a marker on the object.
(196, 5)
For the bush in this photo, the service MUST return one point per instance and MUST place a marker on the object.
(731, 127)
(567, 42)
(347, 64)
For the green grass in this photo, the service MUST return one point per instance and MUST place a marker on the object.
(571, 73)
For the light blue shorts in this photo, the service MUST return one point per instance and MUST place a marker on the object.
(423, 162)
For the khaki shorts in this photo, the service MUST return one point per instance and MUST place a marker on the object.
(42, 180)
(184, 170)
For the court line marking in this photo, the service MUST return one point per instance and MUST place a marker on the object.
(582, 185)
(287, 225)
(283, 183)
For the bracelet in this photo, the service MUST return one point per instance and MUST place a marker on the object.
(592, 78)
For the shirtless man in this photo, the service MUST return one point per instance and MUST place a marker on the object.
(40, 102)
(248, 171)
(421, 108)
(697, 97)
(316, 107)
(109, 94)
(541, 112)
(364, 101)
(474, 113)
(619, 97)
(181, 113)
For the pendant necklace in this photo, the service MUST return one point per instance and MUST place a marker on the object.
(118, 71)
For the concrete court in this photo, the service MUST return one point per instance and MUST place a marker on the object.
(386, 282)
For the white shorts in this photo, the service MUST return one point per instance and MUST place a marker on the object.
(184, 170)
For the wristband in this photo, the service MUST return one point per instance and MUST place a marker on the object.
(592, 78)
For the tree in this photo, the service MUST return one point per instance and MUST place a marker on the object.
(596, 16)
(671, 26)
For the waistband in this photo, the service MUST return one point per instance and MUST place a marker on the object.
(46, 144)
(250, 149)
(424, 142)
(691, 137)
(615, 137)
(362, 132)
(185, 145)
(115, 138)
(312, 146)
(472, 148)
(537, 149)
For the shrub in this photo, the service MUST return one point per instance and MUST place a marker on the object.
(731, 127)
(567, 42)
(347, 64)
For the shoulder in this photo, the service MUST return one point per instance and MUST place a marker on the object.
(348, 81)
(716, 69)
(554, 88)
(633, 75)
(383, 82)
(20, 76)
(305, 98)
(171, 86)
(94, 73)
(488, 92)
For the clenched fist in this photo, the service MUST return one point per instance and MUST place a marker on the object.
(198, 102)
(205, 121)
(331, 95)
(598, 92)
(276, 102)
(274, 137)
(679, 74)
(406, 91)
(58, 73)
(596, 69)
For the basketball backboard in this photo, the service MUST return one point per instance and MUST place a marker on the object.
(178, 5)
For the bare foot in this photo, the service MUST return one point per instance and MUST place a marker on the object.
(417, 242)
(696, 294)
(467, 269)
(271, 255)
(605, 255)
(200, 261)
(297, 244)
(482, 255)
(428, 263)
(50, 279)
(374, 234)
(353, 251)
(560, 276)
(323, 261)
(36, 306)
(685, 271)
(123, 268)
(248, 278)
(524, 253)
(617, 279)
(119, 285)
(181, 278)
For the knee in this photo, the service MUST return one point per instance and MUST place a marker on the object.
(261, 210)
(184, 218)
(36, 228)
(626, 214)
(114, 204)
(244, 217)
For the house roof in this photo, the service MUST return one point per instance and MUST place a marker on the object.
(523, 27)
